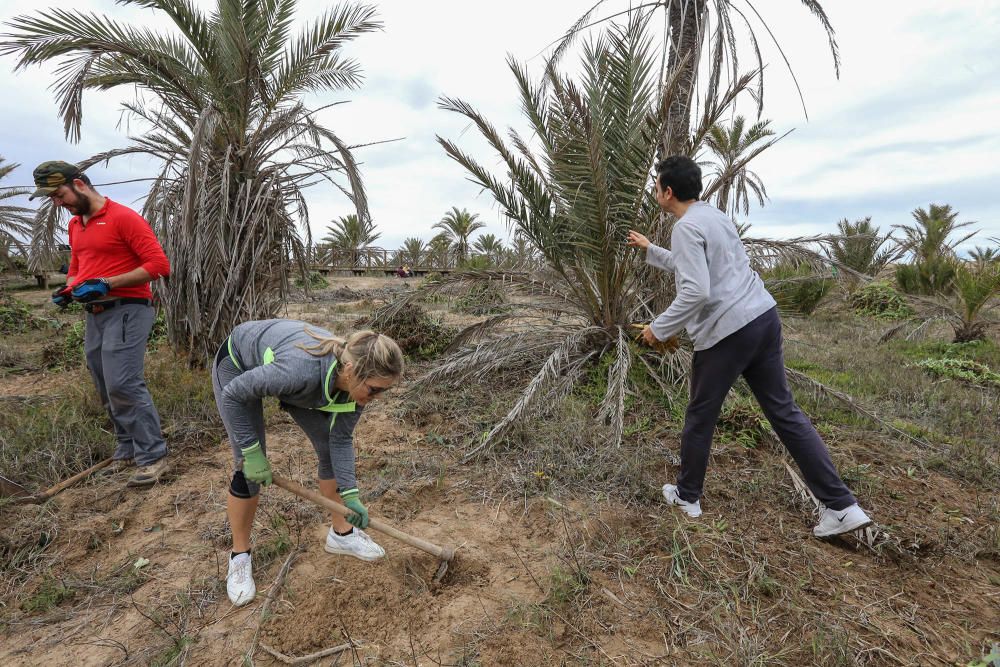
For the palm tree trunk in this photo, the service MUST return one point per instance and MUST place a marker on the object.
(687, 23)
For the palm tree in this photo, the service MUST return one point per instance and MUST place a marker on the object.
(489, 246)
(984, 256)
(859, 247)
(220, 99)
(976, 288)
(412, 252)
(439, 250)
(693, 29)
(15, 221)
(521, 255)
(929, 241)
(349, 234)
(730, 148)
(574, 203)
(573, 192)
(459, 225)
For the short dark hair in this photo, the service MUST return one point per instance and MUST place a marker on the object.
(86, 179)
(682, 175)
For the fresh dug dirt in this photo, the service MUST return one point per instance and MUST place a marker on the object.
(537, 580)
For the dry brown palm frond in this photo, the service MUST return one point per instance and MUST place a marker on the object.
(820, 389)
(48, 225)
(612, 407)
(561, 359)
(510, 352)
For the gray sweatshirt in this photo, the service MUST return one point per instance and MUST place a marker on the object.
(717, 291)
(272, 364)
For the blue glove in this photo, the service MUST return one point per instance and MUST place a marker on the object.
(91, 290)
(62, 297)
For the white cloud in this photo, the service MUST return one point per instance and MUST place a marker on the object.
(909, 122)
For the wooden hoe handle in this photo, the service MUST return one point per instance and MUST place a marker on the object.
(65, 484)
(444, 553)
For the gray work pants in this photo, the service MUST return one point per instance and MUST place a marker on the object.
(115, 348)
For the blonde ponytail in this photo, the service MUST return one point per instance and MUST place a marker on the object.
(373, 355)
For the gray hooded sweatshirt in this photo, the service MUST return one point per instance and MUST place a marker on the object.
(272, 362)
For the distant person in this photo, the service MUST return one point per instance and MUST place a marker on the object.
(323, 382)
(407, 273)
(114, 255)
(734, 324)
(400, 272)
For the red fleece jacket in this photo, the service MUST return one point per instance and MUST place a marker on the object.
(114, 241)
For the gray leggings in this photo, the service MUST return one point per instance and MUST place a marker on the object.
(315, 423)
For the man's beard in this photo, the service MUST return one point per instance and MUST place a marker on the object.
(82, 205)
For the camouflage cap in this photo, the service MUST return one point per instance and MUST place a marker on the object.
(50, 175)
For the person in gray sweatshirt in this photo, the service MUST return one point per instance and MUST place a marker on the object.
(323, 382)
(734, 325)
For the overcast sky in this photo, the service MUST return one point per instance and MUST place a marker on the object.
(910, 122)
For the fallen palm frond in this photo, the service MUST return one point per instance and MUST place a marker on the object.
(822, 390)
(868, 535)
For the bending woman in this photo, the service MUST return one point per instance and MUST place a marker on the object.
(323, 382)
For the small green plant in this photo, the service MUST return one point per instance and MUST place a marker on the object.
(280, 543)
(881, 300)
(50, 593)
(965, 370)
(742, 421)
(566, 585)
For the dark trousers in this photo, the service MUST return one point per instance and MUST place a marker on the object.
(755, 353)
(115, 348)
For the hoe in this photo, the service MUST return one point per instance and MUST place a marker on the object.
(20, 494)
(445, 554)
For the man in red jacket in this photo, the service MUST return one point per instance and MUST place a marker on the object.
(114, 255)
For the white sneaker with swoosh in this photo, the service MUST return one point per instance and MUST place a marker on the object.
(670, 494)
(838, 522)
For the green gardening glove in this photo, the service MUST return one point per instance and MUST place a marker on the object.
(256, 467)
(360, 517)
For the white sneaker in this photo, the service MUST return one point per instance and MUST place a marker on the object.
(357, 544)
(693, 510)
(239, 581)
(838, 522)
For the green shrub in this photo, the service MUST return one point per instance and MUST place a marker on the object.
(927, 277)
(316, 280)
(965, 370)
(487, 298)
(418, 334)
(880, 299)
(66, 351)
(17, 317)
(797, 288)
(50, 593)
